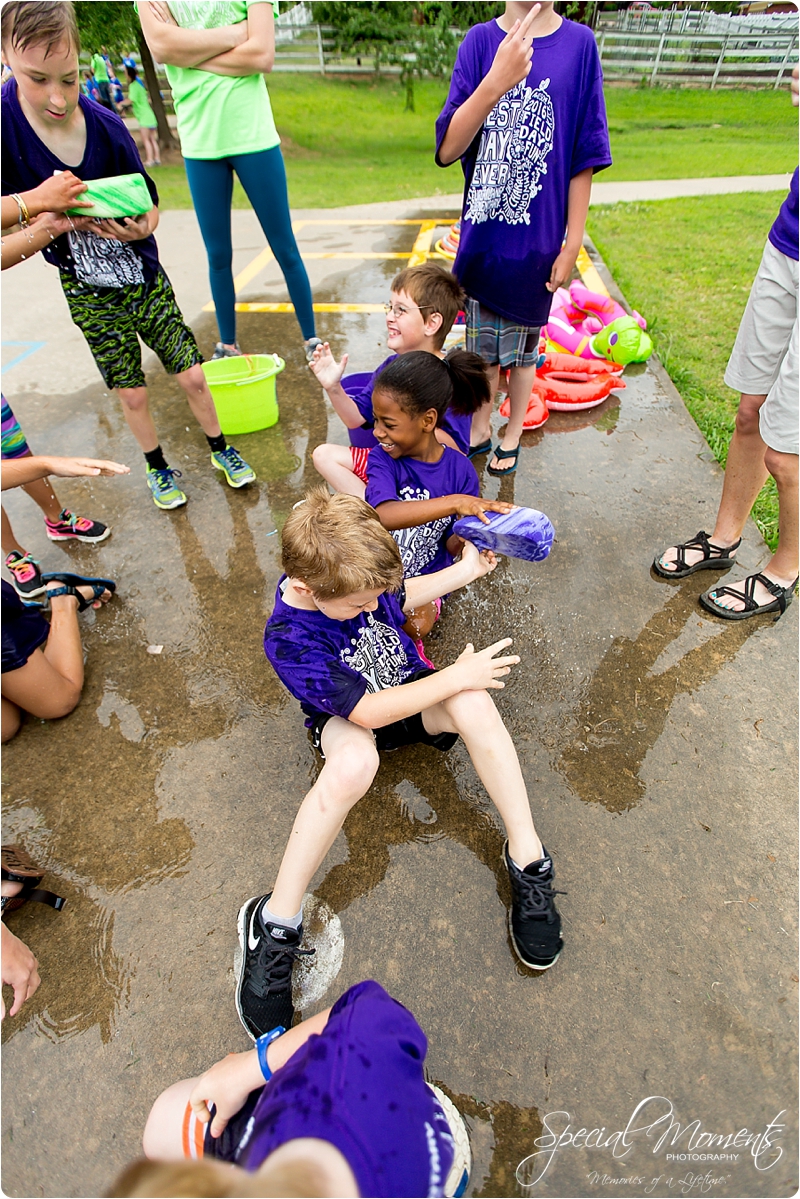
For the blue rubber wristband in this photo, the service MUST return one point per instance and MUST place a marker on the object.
(261, 1049)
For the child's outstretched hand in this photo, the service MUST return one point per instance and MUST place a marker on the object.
(327, 370)
(58, 193)
(473, 505)
(478, 562)
(512, 62)
(127, 228)
(483, 670)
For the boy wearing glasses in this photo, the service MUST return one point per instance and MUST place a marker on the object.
(425, 301)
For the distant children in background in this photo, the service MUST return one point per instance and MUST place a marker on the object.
(115, 286)
(100, 72)
(425, 301)
(336, 641)
(337, 1105)
(216, 56)
(90, 87)
(526, 116)
(115, 87)
(139, 101)
(417, 485)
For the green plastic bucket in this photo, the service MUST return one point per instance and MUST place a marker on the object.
(244, 391)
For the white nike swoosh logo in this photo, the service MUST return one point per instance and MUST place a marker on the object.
(253, 944)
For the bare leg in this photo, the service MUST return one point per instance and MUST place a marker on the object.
(42, 494)
(201, 403)
(9, 541)
(745, 475)
(351, 762)
(49, 685)
(473, 715)
(421, 621)
(783, 566)
(482, 419)
(137, 414)
(335, 464)
(519, 392)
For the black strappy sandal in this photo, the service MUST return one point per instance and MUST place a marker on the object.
(19, 867)
(783, 597)
(72, 582)
(715, 557)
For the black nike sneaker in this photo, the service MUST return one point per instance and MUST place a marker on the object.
(534, 920)
(264, 989)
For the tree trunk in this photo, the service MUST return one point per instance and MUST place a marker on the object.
(165, 135)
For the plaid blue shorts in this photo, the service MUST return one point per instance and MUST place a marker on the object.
(499, 340)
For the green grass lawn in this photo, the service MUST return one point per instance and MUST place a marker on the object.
(687, 265)
(350, 142)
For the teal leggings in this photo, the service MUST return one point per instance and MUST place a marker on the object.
(263, 177)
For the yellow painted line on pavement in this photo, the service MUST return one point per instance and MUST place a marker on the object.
(422, 245)
(445, 220)
(284, 307)
(589, 273)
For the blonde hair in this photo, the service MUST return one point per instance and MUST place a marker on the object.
(336, 545)
(213, 1179)
(433, 289)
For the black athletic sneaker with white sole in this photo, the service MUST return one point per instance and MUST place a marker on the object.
(534, 920)
(264, 989)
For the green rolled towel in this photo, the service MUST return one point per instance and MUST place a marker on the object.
(119, 196)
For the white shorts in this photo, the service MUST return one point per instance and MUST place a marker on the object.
(764, 359)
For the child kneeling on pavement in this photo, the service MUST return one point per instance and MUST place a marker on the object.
(336, 641)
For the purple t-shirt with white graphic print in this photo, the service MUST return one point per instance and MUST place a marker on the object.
(329, 665)
(517, 170)
(110, 150)
(783, 233)
(423, 548)
(360, 388)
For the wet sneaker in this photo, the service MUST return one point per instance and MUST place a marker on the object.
(78, 527)
(165, 492)
(264, 987)
(26, 578)
(533, 920)
(237, 472)
(221, 351)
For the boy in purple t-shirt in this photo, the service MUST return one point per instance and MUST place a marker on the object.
(425, 300)
(114, 284)
(526, 116)
(336, 641)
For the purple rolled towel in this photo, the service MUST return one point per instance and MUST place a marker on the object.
(523, 533)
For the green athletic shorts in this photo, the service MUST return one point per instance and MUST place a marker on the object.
(110, 318)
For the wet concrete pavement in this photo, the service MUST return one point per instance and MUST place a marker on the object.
(659, 746)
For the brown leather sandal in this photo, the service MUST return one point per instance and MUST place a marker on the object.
(19, 867)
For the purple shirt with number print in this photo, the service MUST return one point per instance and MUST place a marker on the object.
(423, 548)
(329, 665)
(541, 133)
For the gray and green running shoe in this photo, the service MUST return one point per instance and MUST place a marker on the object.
(237, 472)
(165, 492)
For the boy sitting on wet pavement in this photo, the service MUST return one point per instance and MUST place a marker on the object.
(336, 641)
(425, 300)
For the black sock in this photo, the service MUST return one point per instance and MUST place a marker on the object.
(155, 459)
(218, 444)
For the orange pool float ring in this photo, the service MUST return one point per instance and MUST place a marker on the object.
(566, 383)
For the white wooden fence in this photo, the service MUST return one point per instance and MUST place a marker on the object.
(734, 57)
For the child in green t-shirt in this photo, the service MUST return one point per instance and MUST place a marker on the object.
(139, 101)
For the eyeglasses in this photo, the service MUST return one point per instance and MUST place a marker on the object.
(397, 310)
